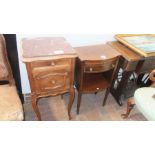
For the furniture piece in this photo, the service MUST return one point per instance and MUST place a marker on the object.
(144, 44)
(10, 104)
(130, 66)
(95, 68)
(11, 45)
(144, 99)
(122, 87)
(50, 64)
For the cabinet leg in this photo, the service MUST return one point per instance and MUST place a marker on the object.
(79, 102)
(62, 96)
(106, 96)
(130, 106)
(35, 107)
(72, 96)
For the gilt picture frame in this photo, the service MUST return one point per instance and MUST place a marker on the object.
(143, 44)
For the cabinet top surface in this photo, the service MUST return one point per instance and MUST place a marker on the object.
(96, 52)
(126, 52)
(45, 48)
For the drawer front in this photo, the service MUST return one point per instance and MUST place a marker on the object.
(148, 65)
(98, 67)
(131, 66)
(53, 63)
(51, 78)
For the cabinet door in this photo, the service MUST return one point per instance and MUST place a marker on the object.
(51, 78)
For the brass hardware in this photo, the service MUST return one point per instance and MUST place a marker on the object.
(91, 69)
(52, 63)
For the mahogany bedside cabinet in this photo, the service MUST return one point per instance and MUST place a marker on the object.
(95, 68)
(50, 63)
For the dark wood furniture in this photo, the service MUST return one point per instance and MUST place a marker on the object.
(12, 52)
(131, 102)
(130, 66)
(53, 72)
(5, 68)
(95, 68)
(127, 66)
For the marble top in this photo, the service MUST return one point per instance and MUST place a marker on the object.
(45, 47)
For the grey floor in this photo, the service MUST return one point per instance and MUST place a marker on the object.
(55, 109)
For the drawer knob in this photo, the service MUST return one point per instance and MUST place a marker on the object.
(113, 65)
(53, 81)
(91, 69)
(66, 73)
(52, 64)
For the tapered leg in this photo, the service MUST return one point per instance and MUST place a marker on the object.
(72, 96)
(61, 96)
(79, 102)
(35, 107)
(130, 106)
(106, 96)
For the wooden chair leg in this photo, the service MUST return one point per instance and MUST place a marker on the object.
(106, 96)
(72, 96)
(35, 107)
(130, 106)
(79, 102)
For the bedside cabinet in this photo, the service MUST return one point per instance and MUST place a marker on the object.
(50, 64)
(95, 68)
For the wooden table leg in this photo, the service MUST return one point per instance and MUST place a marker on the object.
(71, 100)
(62, 96)
(106, 96)
(35, 107)
(130, 106)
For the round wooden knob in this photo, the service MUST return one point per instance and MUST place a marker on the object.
(52, 63)
(53, 81)
(91, 69)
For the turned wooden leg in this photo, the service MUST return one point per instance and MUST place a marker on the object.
(61, 96)
(106, 96)
(35, 107)
(72, 96)
(79, 102)
(130, 106)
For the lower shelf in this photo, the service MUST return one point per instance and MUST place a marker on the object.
(94, 82)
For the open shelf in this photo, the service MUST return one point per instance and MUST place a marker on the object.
(94, 82)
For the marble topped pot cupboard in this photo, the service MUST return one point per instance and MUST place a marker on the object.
(50, 63)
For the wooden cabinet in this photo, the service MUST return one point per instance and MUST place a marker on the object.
(50, 75)
(95, 67)
(130, 63)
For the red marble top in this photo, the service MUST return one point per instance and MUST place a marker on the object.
(45, 46)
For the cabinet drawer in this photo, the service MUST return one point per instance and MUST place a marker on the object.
(52, 82)
(98, 67)
(39, 72)
(53, 63)
(51, 78)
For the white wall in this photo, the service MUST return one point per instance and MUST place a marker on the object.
(74, 40)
